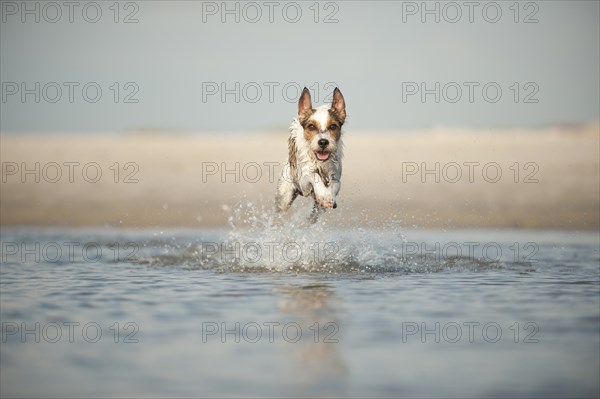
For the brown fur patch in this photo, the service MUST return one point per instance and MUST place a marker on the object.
(334, 119)
(309, 134)
(305, 103)
(292, 157)
(304, 118)
(323, 176)
(333, 114)
(338, 105)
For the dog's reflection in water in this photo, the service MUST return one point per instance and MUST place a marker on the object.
(318, 361)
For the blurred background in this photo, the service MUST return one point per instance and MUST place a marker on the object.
(178, 54)
(175, 94)
(140, 147)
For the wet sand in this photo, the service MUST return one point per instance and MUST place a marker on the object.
(442, 178)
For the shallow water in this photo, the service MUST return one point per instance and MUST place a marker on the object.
(259, 310)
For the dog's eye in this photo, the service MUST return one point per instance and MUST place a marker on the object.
(333, 127)
(311, 127)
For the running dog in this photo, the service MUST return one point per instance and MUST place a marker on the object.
(314, 164)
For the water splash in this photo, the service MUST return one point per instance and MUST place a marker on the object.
(259, 240)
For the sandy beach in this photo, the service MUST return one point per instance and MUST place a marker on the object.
(442, 178)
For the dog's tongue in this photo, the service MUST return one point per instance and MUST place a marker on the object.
(322, 155)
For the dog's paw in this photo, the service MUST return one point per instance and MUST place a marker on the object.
(326, 202)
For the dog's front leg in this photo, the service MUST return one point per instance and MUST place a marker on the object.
(335, 189)
(286, 194)
(306, 185)
(324, 195)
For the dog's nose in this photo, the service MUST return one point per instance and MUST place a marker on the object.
(323, 143)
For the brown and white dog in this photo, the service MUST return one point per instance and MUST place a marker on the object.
(314, 164)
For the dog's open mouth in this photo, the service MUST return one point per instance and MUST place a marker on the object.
(322, 155)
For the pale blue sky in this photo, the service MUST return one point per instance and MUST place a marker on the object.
(179, 53)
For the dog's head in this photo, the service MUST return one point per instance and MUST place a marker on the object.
(322, 126)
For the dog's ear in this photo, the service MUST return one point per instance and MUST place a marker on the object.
(304, 104)
(338, 104)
